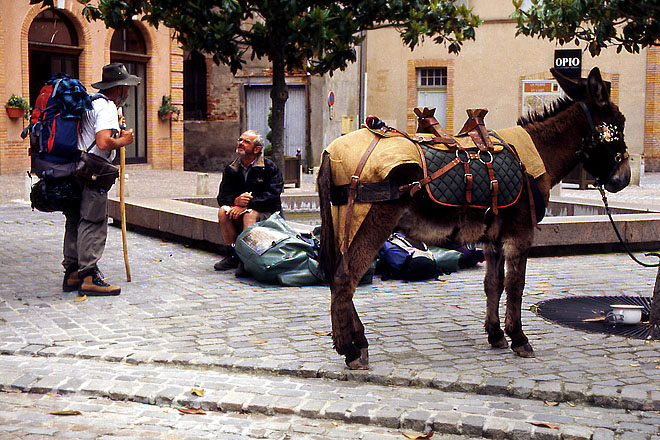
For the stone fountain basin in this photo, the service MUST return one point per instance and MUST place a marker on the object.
(571, 226)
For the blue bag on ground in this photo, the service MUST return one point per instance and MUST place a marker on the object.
(272, 252)
(403, 258)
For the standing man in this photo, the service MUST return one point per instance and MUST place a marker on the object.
(249, 192)
(86, 229)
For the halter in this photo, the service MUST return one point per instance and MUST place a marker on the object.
(602, 136)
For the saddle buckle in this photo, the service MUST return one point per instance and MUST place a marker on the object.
(355, 180)
(467, 177)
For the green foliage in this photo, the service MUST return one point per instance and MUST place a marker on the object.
(167, 107)
(626, 25)
(315, 35)
(19, 101)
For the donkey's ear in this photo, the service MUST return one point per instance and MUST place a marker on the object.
(597, 88)
(571, 87)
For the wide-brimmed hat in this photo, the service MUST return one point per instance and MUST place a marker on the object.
(115, 74)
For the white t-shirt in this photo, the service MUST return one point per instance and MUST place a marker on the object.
(102, 117)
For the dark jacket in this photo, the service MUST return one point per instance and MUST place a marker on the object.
(264, 181)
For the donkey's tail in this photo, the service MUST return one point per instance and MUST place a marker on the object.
(328, 255)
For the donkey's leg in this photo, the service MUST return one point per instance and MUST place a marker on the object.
(347, 329)
(516, 265)
(494, 286)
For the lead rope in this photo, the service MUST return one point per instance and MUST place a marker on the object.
(616, 231)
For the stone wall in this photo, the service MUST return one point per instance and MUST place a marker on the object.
(209, 145)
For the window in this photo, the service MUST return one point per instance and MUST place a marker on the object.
(53, 48)
(52, 27)
(432, 91)
(194, 87)
(433, 77)
(129, 41)
(128, 46)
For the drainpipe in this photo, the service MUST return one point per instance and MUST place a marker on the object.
(363, 80)
(308, 124)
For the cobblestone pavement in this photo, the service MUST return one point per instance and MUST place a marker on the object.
(264, 358)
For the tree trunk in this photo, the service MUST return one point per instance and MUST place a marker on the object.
(279, 95)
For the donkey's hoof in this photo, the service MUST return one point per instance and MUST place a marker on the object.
(361, 363)
(524, 350)
(502, 343)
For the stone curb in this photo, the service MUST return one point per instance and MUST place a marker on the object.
(631, 397)
(411, 409)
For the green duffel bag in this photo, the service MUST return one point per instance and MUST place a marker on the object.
(272, 252)
(446, 260)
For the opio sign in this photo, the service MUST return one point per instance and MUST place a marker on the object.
(569, 62)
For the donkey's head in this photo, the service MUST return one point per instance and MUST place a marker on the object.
(603, 153)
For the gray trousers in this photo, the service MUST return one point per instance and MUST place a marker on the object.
(86, 231)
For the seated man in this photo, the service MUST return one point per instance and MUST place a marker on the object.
(249, 192)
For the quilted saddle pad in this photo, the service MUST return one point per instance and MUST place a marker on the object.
(450, 188)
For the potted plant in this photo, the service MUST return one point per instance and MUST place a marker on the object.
(16, 107)
(167, 109)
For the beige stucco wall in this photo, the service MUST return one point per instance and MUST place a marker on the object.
(488, 71)
(164, 77)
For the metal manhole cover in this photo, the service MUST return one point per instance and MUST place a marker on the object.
(588, 313)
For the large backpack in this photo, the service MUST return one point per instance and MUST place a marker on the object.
(403, 258)
(55, 120)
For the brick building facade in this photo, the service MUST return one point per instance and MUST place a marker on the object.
(151, 53)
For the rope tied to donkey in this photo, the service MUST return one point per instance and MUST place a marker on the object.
(623, 243)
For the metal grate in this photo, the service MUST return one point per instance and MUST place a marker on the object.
(587, 313)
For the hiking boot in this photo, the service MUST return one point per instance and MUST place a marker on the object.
(94, 285)
(241, 272)
(229, 262)
(71, 281)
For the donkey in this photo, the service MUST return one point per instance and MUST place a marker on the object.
(584, 128)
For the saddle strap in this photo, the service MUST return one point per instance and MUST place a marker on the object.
(352, 191)
(494, 185)
(468, 185)
(416, 186)
(528, 184)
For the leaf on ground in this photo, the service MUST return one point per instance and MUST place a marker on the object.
(417, 436)
(66, 413)
(545, 425)
(551, 403)
(80, 299)
(571, 404)
(326, 333)
(197, 392)
(158, 260)
(188, 410)
(599, 319)
(257, 341)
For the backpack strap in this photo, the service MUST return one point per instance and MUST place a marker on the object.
(94, 97)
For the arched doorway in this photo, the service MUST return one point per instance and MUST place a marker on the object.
(128, 47)
(53, 48)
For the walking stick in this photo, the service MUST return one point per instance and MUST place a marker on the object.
(122, 209)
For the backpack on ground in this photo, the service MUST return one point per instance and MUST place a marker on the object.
(403, 258)
(55, 120)
(274, 253)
